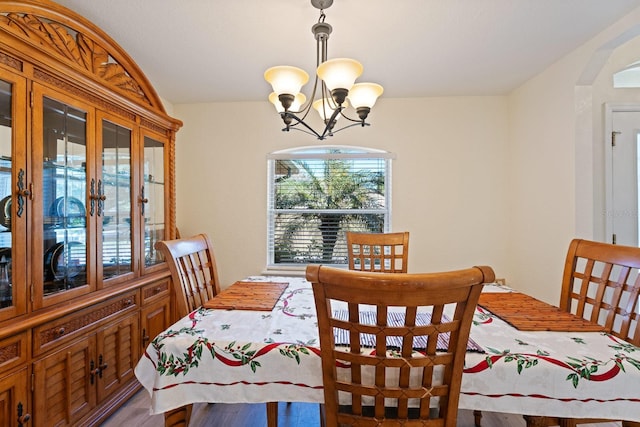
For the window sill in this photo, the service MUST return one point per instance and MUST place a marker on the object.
(289, 270)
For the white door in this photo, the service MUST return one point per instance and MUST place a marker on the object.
(623, 145)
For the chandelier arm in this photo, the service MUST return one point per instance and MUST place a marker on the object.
(300, 130)
(307, 106)
(329, 97)
(300, 121)
(351, 125)
(350, 119)
(328, 128)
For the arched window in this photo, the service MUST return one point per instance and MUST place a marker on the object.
(629, 77)
(318, 193)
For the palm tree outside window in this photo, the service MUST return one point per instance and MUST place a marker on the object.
(318, 193)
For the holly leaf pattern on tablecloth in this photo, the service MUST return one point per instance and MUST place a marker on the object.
(176, 365)
(583, 368)
(233, 354)
(586, 368)
(294, 351)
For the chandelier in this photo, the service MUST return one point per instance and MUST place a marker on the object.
(334, 83)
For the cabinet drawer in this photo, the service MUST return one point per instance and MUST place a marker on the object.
(61, 330)
(13, 351)
(155, 291)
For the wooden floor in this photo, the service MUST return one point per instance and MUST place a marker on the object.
(136, 413)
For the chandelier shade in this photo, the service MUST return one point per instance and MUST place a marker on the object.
(285, 79)
(339, 73)
(364, 94)
(334, 83)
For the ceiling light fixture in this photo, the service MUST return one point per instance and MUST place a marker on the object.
(337, 83)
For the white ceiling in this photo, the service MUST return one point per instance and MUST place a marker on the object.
(213, 50)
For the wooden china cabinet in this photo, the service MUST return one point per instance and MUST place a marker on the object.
(86, 189)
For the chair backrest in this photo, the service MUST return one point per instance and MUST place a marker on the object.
(380, 252)
(193, 271)
(601, 283)
(357, 380)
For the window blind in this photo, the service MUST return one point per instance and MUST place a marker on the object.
(318, 193)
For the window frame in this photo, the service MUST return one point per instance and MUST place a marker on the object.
(321, 153)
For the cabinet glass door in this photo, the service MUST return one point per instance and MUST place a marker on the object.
(64, 185)
(6, 288)
(14, 195)
(111, 200)
(153, 200)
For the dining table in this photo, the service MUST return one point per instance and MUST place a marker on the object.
(524, 357)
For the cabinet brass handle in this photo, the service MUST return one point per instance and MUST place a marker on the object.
(101, 198)
(143, 200)
(61, 332)
(22, 193)
(93, 371)
(92, 196)
(101, 366)
(22, 418)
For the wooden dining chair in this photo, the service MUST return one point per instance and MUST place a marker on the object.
(601, 282)
(193, 271)
(194, 275)
(364, 387)
(381, 252)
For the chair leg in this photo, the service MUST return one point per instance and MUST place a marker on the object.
(322, 415)
(272, 414)
(178, 417)
(477, 417)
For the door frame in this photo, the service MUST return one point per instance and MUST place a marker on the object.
(609, 110)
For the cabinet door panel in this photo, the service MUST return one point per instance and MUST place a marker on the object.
(111, 199)
(63, 390)
(155, 319)
(63, 250)
(118, 349)
(13, 199)
(13, 393)
(153, 198)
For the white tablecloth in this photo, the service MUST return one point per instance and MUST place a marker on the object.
(236, 356)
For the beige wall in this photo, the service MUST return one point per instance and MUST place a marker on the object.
(541, 177)
(449, 179)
